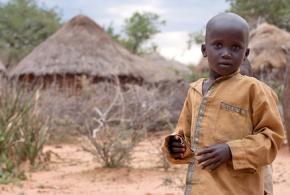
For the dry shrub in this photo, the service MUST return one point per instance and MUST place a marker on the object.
(110, 129)
(113, 117)
(150, 108)
(112, 146)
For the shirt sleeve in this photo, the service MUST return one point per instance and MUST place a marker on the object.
(183, 125)
(261, 147)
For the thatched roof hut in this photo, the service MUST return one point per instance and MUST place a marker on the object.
(267, 55)
(81, 47)
(177, 67)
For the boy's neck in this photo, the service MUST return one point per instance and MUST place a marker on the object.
(213, 76)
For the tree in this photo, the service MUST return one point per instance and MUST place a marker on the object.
(195, 38)
(110, 30)
(24, 25)
(138, 29)
(276, 12)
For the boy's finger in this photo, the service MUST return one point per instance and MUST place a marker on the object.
(214, 166)
(204, 151)
(177, 144)
(208, 163)
(177, 150)
(177, 155)
(205, 157)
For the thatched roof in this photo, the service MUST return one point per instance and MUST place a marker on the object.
(267, 44)
(156, 58)
(82, 47)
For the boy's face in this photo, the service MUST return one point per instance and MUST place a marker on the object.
(225, 47)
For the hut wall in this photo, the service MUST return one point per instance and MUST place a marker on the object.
(66, 83)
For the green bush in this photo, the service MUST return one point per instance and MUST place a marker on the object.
(22, 133)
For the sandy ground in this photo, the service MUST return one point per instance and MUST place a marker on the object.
(73, 171)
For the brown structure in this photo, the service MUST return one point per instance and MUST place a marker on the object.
(80, 49)
(267, 55)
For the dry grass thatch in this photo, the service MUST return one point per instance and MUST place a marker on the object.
(82, 47)
(267, 44)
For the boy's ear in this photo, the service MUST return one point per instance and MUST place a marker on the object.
(203, 50)
(247, 52)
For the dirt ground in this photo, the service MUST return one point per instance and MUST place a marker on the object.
(73, 171)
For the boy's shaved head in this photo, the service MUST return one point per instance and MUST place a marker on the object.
(226, 20)
(226, 43)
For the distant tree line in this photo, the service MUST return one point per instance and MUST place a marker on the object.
(23, 25)
(276, 12)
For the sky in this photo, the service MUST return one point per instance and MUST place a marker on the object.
(181, 16)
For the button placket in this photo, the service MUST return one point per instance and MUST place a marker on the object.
(194, 143)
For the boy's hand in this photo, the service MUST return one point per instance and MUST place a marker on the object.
(213, 156)
(176, 147)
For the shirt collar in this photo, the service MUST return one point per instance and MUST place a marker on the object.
(198, 84)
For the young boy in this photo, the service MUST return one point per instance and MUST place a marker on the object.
(229, 127)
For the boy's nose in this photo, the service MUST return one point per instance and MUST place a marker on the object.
(226, 54)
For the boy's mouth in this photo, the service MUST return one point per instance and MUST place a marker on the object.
(226, 65)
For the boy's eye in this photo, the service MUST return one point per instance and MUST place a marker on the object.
(236, 48)
(218, 45)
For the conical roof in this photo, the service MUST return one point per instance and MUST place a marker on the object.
(82, 47)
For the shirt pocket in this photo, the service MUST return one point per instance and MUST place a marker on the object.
(242, 173)
(231, 122)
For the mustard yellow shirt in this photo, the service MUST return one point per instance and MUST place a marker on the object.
(241, 112)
